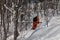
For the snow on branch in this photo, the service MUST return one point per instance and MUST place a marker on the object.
(11, 10)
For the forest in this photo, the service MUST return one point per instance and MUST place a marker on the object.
(16, 16)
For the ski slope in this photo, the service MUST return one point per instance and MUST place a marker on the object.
(47, 33)
(52, 32)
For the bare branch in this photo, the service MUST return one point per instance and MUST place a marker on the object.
(11, 10)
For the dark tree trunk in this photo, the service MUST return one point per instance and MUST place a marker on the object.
(16, 24)
(4, 27)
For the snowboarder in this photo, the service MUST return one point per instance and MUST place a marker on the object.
(35, 22)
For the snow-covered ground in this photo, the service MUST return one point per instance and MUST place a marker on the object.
(52, 32)
(47, 33)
